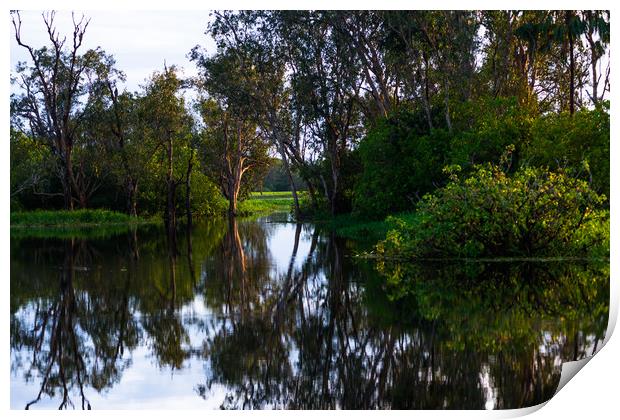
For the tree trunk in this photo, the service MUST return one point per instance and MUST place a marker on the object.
(232, 197)
(427, 98)
(447, 102)
(66, 191)
(571, 47)
(594, 78)
(67, 177)
(188, 190)
(289, 174)
(170, 216)
(132, 192)
(170, 207)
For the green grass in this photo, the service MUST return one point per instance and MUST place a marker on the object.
(271, 195)
(71, 232)
(353, 227)
(268, 202)
(71, 219)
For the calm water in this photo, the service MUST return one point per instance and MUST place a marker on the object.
(263, 314)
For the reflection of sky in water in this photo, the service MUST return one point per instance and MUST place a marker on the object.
(146, 385)
(143, 383)
(281, 245)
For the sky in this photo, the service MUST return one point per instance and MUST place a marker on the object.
(140, 41)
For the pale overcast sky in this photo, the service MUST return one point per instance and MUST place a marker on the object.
(140, 41)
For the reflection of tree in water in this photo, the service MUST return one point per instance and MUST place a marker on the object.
(519, 320)
(78, 333)
(457, 337)
(164, 325)
(323, 332)
(71, 350)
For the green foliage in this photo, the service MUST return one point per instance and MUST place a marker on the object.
(486, 127)
(399, 165)
(73, 218)
(206, 200)
(579, 142)
(31, 170)
(489, 214)
(269, 203)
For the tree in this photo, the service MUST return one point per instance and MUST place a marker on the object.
(233, 145)
(168, 127)
(597, 33)
(235, 141)
(50, 105)
(326, 84)
(249, 36)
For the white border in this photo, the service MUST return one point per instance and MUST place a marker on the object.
(593, 393)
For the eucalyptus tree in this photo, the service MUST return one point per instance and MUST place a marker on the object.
(367, 33)
(52, 91)
(297, 80)
(263, 79)
(326, 84)
(597, 34)
(557, 58)
(232, 147)
(113, 119)
(405, 47)
(235, 143)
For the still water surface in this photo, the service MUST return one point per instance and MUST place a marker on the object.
(266, 314)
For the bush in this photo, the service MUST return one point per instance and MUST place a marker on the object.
(206, 198)
(484, 128)
(489, 214)
(400, 164)
(579, 143)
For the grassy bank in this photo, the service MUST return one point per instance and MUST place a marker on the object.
(265, 203)
(257, 204)
(72, 219)
(354, 227)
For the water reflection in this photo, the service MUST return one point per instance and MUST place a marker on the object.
(259, 314)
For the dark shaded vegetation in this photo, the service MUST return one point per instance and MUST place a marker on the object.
(276, 179)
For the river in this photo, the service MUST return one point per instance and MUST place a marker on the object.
(266, 313)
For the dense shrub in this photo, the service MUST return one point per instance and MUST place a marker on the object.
(488, 214)
(484, 128)
(207, 200)
(579, 143)
(399, 165)
(32, 178)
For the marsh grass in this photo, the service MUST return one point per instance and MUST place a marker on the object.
(361, 229)
(72, 219)
(265, 203)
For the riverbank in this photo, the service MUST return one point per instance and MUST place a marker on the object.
(265, 203)
(86, 223)
(103, 223)
(76, 219)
